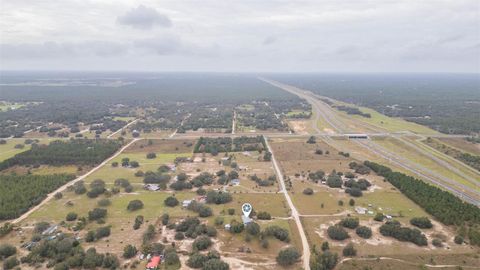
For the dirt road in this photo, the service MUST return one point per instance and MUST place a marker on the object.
(295, 215)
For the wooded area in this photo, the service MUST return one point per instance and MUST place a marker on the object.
(71, 152)
(20, 192)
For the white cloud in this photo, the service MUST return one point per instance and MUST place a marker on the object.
(143, 17)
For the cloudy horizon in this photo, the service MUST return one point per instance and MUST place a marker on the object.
(247, 36)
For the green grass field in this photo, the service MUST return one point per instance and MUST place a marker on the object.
(123, 118)
(5, 106)
(407, 152)
(8, 150)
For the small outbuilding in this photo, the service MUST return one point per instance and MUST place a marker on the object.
(154, 262)
(186, 203)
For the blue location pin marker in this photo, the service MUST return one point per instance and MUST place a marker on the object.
(247, 209)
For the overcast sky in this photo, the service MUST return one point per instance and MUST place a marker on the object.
(325, 36)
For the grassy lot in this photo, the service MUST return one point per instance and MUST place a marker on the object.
(462, 144)
(246, 107)
(123, 118)
(312, 204)
(415, 156)
(5, 106)
(391, 124)
(379, 122)
(8, 150)
(438, 153)
(162, 146)
(297, 112)
(45, 169)
(413, 262)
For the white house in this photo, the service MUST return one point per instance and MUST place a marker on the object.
(186, 203)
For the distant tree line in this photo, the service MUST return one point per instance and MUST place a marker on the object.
(352, 110)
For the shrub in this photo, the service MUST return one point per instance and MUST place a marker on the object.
(204, 211)
(252, 228)
(129, 251)
(97, 187)
(437, 242)
(379, 217)
(349, 250)
(236, 227)
(179, 236)
(128, 189)
(351, 202)
(79, 188)
(325, 246)
(165, 218)
(211, 231)
(114, 164)
(458, 240)
(219, 221)
(122, 182)
(97, 213)
(134, 205)
(308, 191)
(104, 202)
(7, 250)
(337, 233)
(395, 230)
(10, 263)
(231, 211)
(349, 222)
(202, 243)
(278, 232)
(215, 264)
(287, 256)
(264, 215)
(421, 222)
(171, 201)
(218, 197)
(151, 155)
(149, 234)
(171, 257)
(354, 192)
(58, 195)
(364, 232)
(138, 222)
(334, 180)
(111, 261)
(196, 260)
(71, 216)
(134, 164)
(90, 236)
(102, 232)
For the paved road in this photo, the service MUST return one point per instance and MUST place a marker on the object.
(62, 188)
(295, 215)
(467, 194)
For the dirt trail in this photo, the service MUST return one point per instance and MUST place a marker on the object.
(295, 215)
